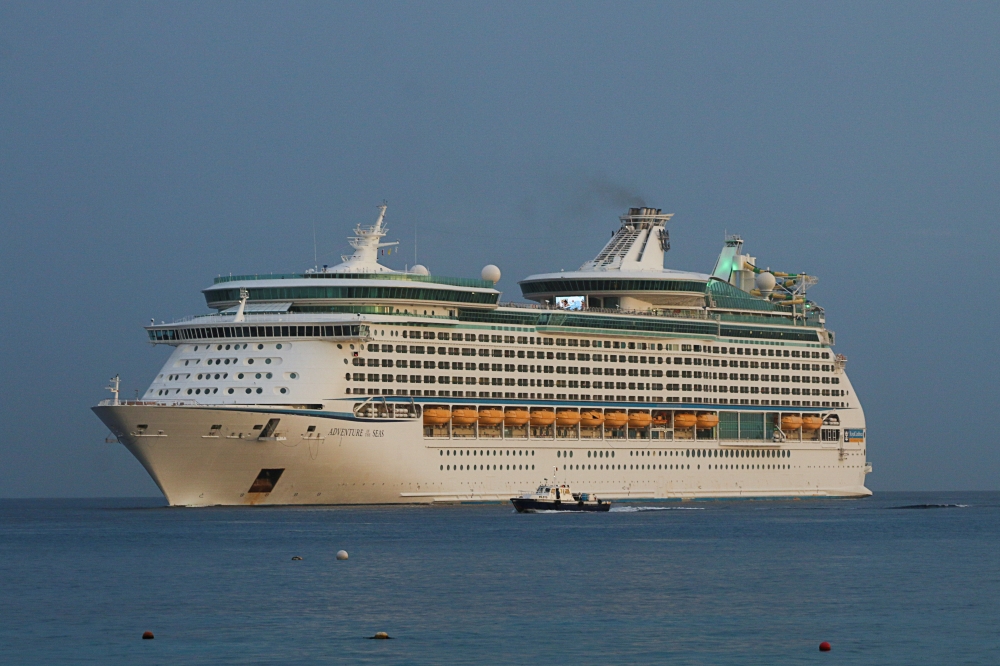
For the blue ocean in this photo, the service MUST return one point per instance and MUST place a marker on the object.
(899, 578)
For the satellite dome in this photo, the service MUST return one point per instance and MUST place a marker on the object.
(419, 269)
(765, 283)
(491, 273)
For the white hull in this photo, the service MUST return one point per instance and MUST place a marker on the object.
(370, 461)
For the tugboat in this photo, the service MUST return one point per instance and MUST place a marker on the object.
(557, 497)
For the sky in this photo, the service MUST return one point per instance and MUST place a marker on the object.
(146, 148)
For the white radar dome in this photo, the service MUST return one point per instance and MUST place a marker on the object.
(491, 273)
(765, 282)
(419, 269)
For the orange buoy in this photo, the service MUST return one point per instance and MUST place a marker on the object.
(464, 416)
(685, 420)
(436, 416)
(615, 419)
(824, 647)
(542, 417)
(515, 417)
(591, 418)
(639, 419)
(707, 420)
(811, 423)
(147, 635)
(567, 417)
(791, 422)
(490, 416)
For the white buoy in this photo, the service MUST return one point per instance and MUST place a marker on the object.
(491, 273)
(341, 554)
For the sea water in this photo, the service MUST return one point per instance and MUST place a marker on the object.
(898, 578)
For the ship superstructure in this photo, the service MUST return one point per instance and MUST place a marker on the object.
(360, 384)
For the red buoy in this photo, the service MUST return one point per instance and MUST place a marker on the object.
(824, 647)
(146, 635)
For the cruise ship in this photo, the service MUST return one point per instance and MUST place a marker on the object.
(359, 384)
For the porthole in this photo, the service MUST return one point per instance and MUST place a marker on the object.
(267, 360)
(260, 346)
(283, 391)
(278, 346)
(345, 361)
(248, 391)
(249, 361)
(260, 390)
(257, 375)
(227, 361)
(230, 391)
(227, 347)
(269, 375)
(215, 390)
(196, 347)
(219, 347)
(189, 391)
(199, 376)
(239, 376)
(440, 453)
(339, 346)
(197, 391)
(294, 375)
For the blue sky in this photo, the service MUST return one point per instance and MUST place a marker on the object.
(147, 147)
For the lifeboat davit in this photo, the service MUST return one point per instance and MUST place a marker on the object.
(435, 416)
(543, 417)
(811, 423)
(661, 419)
(464, 416)
(639, 419)
(707, 420)
(515, 417)
(685, 420)
(591, 418)
(615, 419)
(567, 417)
(490, 416)
(791, 422)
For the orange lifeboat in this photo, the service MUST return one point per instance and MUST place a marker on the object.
(615, 419)
(811, 423)
(567, 417)
(490, 416)
(639, 419)
(707, 421)
(435, 416)
(464, 416)
(685, 420)
(661, 419)
(791, 422)
(515, 417)
(543, 417)
(591, 418)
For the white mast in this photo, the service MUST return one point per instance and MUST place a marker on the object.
(113, 387)
(366, 244)
(244, 296)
